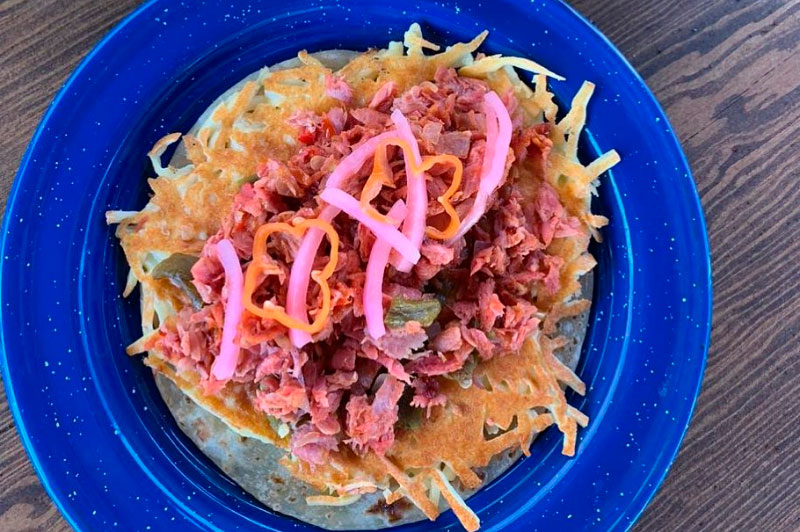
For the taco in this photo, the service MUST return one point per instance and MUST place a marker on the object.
(365, 278)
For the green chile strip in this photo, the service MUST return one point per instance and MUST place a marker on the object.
(403, 310)
(177, 268)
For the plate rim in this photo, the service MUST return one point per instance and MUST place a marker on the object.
(697, 206)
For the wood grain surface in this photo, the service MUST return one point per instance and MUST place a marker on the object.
(728, 74)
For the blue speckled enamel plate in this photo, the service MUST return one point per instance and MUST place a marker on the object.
(102, 442)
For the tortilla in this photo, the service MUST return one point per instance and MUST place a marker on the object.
(238, 438)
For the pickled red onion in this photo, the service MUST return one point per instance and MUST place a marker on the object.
(373, 285)
(383, 231)
(355, 160)
(498, 141)
(224, 365)
(417, 193)
(500, 131)
(301, 274)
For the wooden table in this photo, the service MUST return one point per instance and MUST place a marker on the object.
(728, 74)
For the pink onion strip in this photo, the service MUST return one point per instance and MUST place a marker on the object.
(383, 231)
(373, 285)
(417, 192)
(356, 159)
(225, 364)
(498, 142)
(301, 273)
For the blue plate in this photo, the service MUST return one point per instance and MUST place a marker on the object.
(97, 432)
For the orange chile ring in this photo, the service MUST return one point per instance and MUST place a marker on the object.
(379, 177)
(276, 312)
